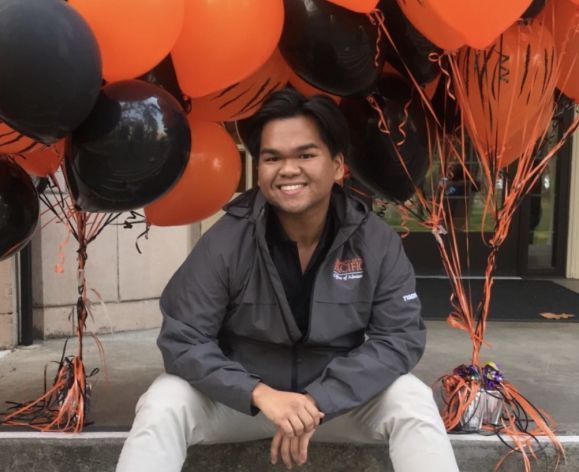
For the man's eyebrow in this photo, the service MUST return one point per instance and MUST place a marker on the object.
(305, 147)
(302, 148)
(268, 151)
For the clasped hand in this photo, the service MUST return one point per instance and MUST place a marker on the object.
(296, 417)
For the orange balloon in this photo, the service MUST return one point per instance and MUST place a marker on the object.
(499, 88)
(359, 6)
(244, 98)
(210, 179)
(133, 35)
(42, 162)
(14, 142)
(308, 90)
(562, 19)
(481, 22)
(524, 140)
(224, 42)
(426, 20)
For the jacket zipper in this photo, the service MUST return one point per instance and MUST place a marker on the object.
(307, 334)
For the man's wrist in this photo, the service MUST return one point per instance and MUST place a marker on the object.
(312, 399)
(257, 393)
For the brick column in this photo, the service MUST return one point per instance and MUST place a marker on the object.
(8, 308)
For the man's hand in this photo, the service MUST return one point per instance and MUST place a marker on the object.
(293, 413)
(293, 450)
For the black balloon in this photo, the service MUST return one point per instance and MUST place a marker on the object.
(51, 68)
(374, 160)
(413, 48)
(163, 75)
(330, 47)
(446, 107)
(132, 148)
(19, 208)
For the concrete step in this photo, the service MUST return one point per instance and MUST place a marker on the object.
(89, 452)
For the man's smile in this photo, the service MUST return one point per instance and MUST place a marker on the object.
(291, 189)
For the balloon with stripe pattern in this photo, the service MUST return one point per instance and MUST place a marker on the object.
(502, 87)
(14, 142)
(243, 98)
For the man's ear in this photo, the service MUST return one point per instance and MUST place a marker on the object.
(339, 161)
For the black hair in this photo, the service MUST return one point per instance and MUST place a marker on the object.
(289, 103)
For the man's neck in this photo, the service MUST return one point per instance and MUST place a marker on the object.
(306, 230)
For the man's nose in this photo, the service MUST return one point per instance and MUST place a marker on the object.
(290, 167)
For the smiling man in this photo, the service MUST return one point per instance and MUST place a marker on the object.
(294, 318)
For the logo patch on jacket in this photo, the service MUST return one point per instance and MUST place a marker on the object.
(349, 269)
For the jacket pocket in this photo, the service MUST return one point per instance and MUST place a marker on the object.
(261, 321)
(339, 324)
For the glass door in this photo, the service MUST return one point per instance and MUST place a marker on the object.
(466, 205)
(545, 212)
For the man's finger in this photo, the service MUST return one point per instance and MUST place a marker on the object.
(285, 452)
(315, 413)
(295, 449)
(307, 419)
(287, 428)
(297, 425)
(304, 442)
(275, 443)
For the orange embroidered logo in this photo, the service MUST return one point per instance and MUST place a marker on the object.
(349, 269)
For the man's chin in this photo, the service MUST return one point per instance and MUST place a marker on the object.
(294, 210)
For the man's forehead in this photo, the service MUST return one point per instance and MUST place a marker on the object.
(291, 134)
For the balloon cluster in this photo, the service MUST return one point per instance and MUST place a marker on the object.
(491, 376)
(131, 94)
(467, 372)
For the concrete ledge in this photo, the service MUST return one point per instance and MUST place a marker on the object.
(49, 452)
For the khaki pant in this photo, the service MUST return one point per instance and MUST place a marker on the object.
(172, 415)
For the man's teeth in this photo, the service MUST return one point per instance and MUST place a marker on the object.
(290, 188)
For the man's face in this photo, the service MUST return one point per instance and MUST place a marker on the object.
(296, 171)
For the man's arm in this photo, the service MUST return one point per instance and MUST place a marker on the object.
(194, 305)
(396, 341)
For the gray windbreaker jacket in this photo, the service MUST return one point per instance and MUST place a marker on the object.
(227, 323)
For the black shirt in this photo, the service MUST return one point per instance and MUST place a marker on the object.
(298, 286)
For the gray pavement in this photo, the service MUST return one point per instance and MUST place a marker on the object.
(540, 359)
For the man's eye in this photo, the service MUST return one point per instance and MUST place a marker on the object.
(271, 159)
(306, 156)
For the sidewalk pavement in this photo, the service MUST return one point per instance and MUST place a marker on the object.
(540, 359)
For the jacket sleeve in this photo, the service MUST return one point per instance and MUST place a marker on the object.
(395, 341)
(194, 304)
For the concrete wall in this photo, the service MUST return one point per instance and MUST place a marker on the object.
(8, 309)
(124, 285)
(573, 238)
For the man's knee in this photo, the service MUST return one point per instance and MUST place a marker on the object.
(407, 395)
(408, 402)
(171, 396)
(408, 388)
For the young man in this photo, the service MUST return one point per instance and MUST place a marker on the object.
(294, 318)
